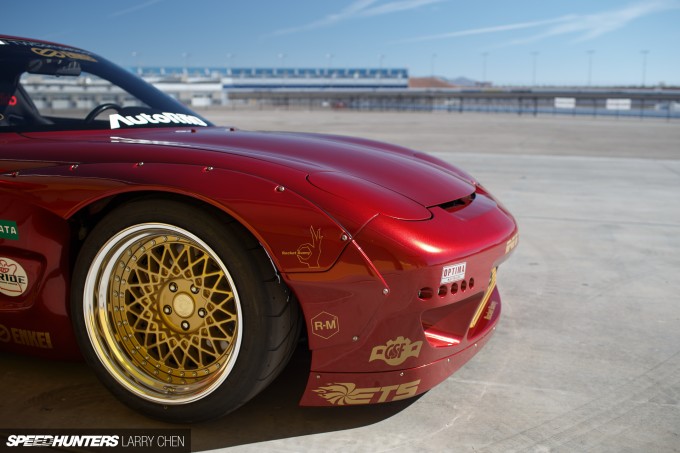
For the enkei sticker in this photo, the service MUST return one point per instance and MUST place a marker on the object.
(453, 273)
(24, 337)
(13, 278)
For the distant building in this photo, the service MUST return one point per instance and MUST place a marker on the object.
(202, 87)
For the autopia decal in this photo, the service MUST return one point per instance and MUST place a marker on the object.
(156, 118)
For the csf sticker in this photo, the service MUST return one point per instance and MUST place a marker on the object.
(453, 273)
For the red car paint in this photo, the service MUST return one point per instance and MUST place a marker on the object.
(362, 232)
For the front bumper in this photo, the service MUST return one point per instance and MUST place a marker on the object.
(333, 388)
(405, 306)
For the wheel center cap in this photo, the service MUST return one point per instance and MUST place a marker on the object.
(183, 305)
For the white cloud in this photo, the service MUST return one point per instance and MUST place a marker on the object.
(358, 8)
(584, 26)
(134, 8)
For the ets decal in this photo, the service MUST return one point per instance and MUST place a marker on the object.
(395, 352)
(347, 393)
(13, 278)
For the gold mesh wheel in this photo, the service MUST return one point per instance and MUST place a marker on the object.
(164, 317)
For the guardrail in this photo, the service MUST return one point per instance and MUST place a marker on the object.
(618, 103)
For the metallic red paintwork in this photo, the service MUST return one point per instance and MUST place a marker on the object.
(376, 223)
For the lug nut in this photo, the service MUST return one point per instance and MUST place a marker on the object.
(194, 289)
(201, 312)
(167, 310)
(185, 325)
(173, 287)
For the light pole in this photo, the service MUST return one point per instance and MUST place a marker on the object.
(644, 66)
(185, 57)
(484, 56)
(534, 57)
(282, 61)
(229, 57)
(434, 57)
(329, 57)
(590, 67)
(135, 54)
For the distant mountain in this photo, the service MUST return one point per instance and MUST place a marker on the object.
(463, 82)
(443, 82)
(429, 82)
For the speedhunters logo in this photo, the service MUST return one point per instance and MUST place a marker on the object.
(175, 440)
(36, 440)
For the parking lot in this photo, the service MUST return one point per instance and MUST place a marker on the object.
(586, 356)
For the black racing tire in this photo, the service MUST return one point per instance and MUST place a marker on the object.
(179, 310)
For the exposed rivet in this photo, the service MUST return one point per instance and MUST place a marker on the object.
(401, 374)
(386, 291)
(344, 237)
(280, 188)
(207, 169)
(318, 376)
(448, 360)
(475, 345)
(355, 338)
(140, 164)
(74, 166)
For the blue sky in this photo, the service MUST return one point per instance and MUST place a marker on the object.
(510, 42)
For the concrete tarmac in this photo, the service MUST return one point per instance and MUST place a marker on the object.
(586, 356)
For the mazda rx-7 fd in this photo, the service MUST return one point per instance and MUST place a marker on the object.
(185, 261)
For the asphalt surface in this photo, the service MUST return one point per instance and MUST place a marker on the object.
(586, 356)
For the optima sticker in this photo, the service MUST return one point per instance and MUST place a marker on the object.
(453, 273)
(9, 230)
(157, 118)
(13, 278)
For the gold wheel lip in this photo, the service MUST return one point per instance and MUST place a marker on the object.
(112, 355)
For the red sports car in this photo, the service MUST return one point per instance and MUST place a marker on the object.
(185, 261)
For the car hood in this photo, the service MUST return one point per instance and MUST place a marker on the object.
(325, 159)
